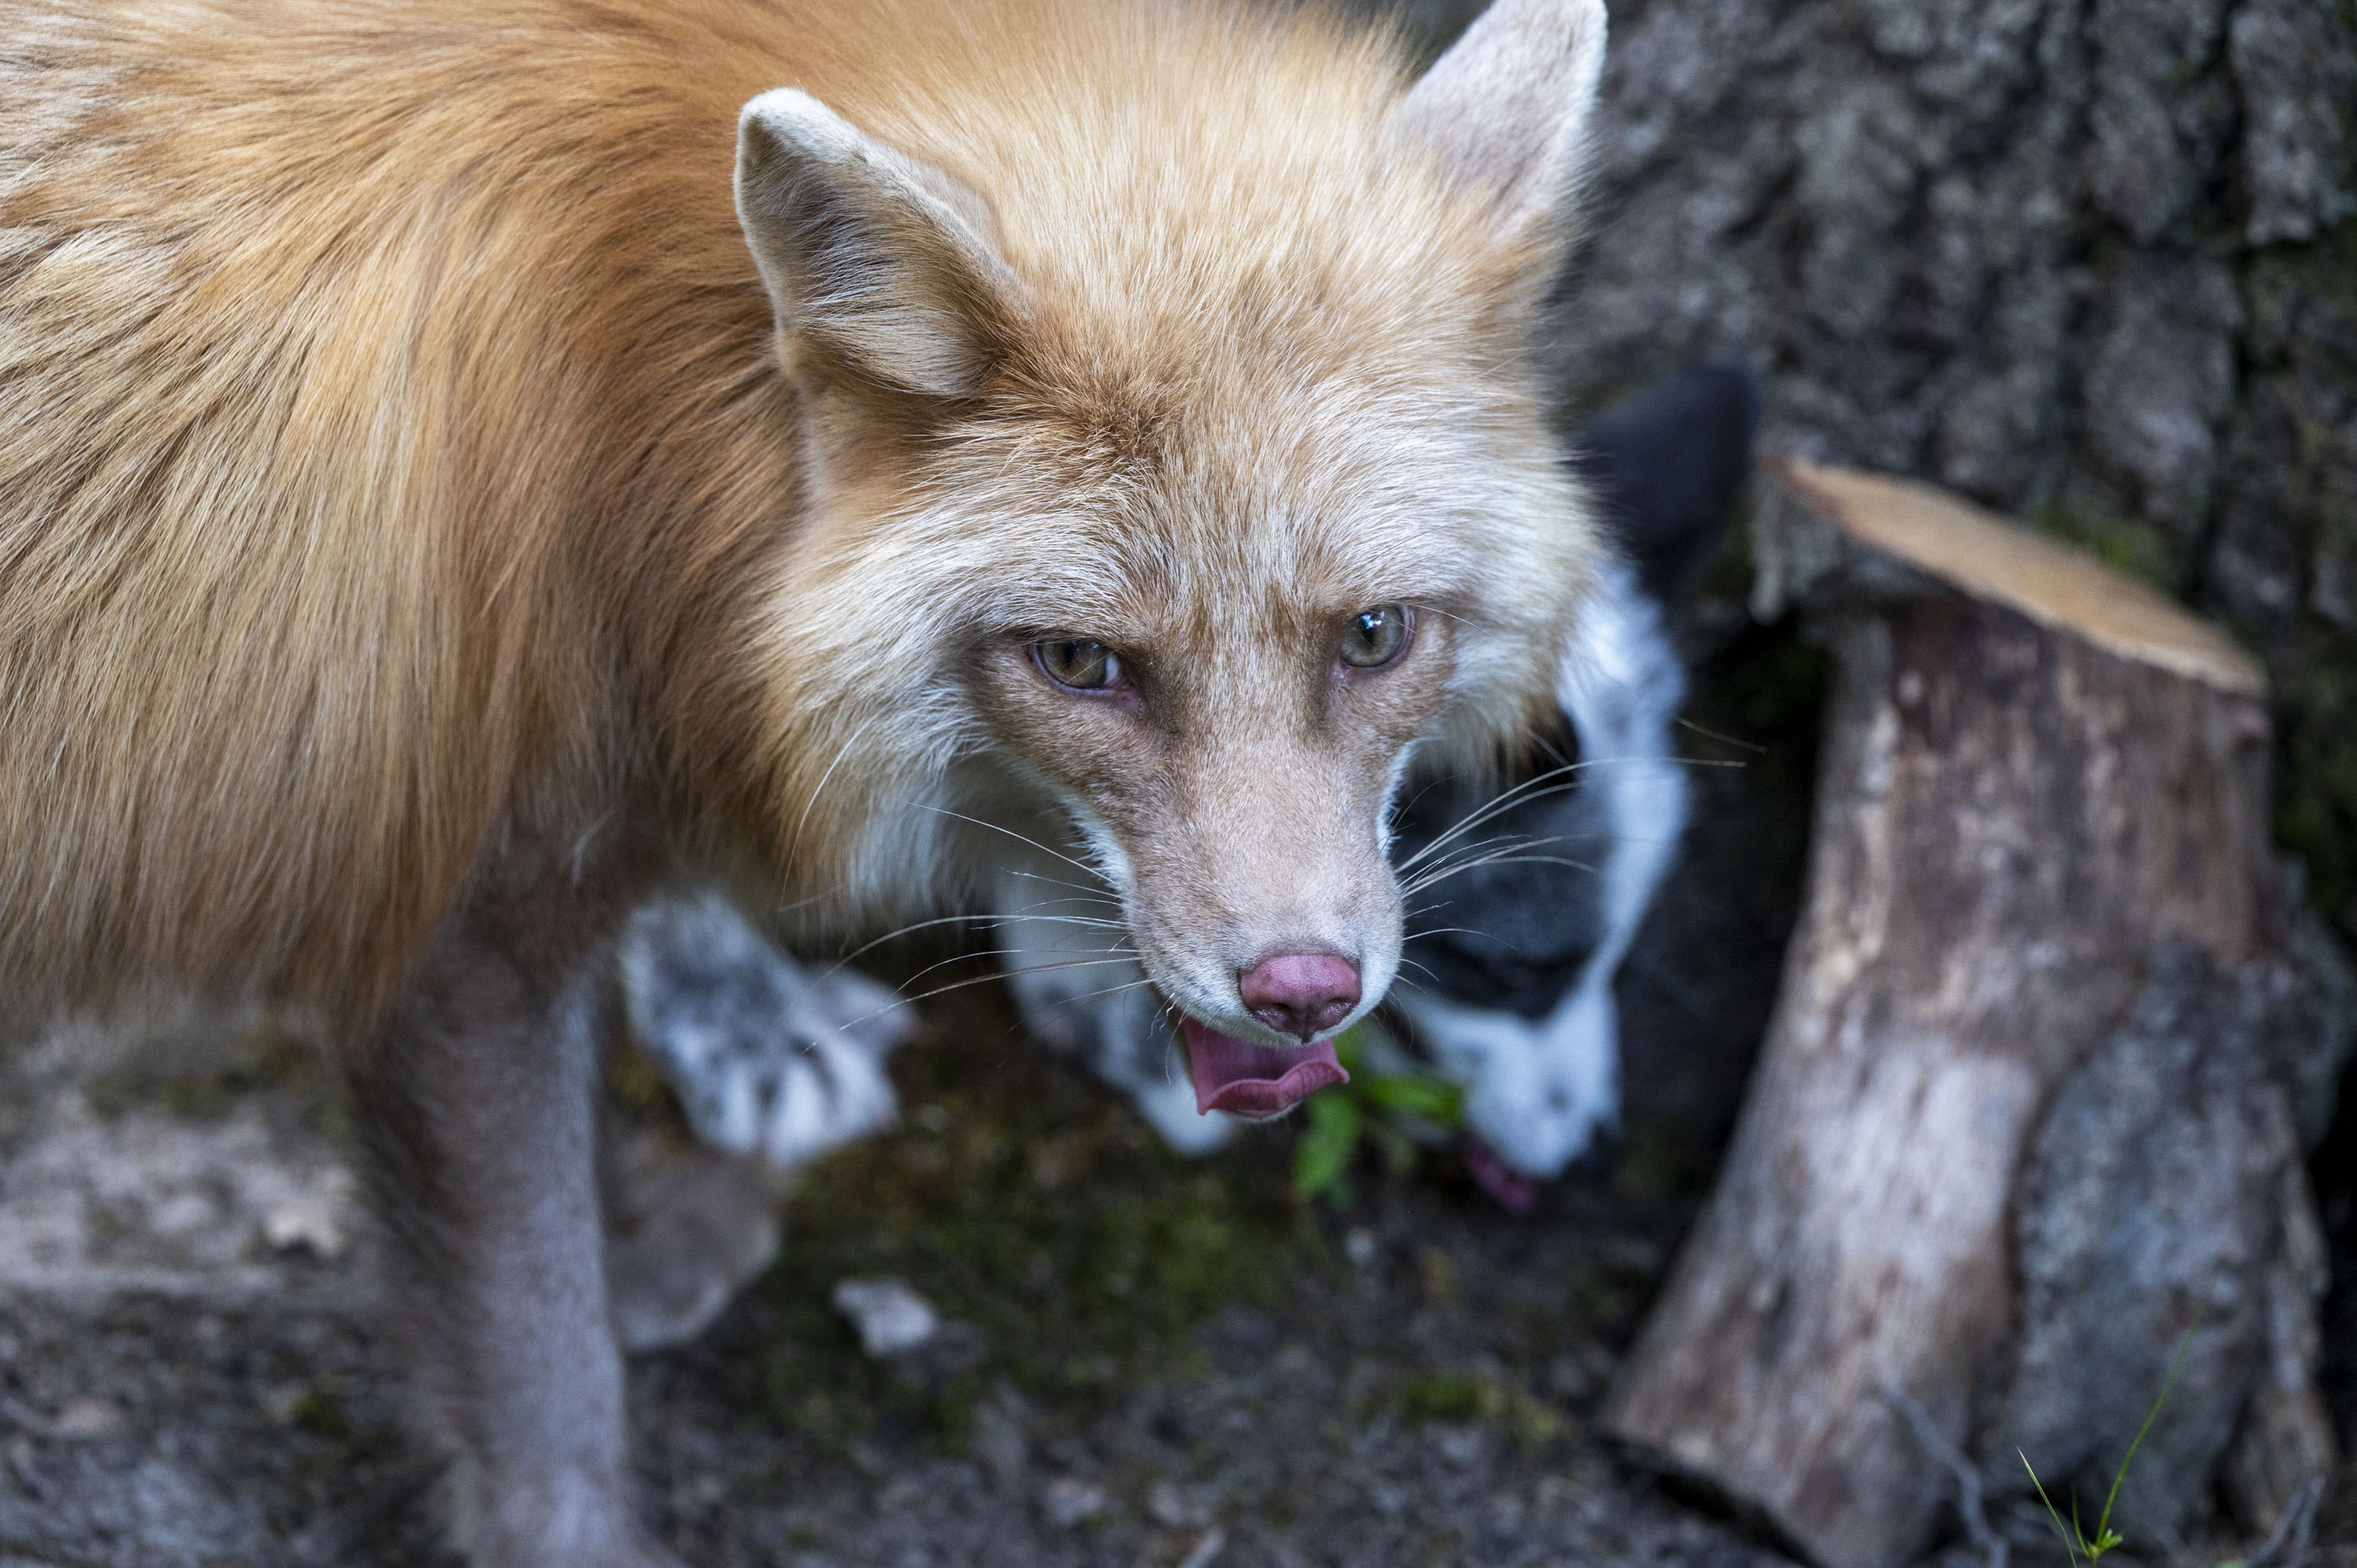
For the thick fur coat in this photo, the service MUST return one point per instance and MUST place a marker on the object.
(459, 461)
(394, 445)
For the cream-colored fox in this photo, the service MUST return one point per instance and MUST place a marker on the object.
(435, 504)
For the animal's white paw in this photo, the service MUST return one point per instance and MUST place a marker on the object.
(767, 1055)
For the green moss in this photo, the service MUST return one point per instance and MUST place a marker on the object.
(1442, 1396)
(2302, 340)
(1453, 1396)
(2285, 283)
(1043, 1215)
(319, 1413)
(197, 1068)
(2316, 795)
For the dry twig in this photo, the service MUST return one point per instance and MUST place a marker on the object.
(1994, 1549)
(2294, 1528)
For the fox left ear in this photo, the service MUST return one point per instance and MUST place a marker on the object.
(1508, 105)
(887, 266)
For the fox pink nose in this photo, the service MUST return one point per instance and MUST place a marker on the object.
(1301, 994)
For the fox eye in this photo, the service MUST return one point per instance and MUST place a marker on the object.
(1376, 636)
(1081, 663)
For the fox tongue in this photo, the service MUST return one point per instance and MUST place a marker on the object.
(1247, 1080)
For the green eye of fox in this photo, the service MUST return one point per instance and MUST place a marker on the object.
(1078, 662)
(1375, 637)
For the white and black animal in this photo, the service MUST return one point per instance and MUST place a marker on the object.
(1518, 948)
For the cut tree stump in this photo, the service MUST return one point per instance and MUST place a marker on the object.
(2030, 1110)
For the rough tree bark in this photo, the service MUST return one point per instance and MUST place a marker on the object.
(2091, 263)
(2028, 1110)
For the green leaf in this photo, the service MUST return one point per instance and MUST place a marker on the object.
(1322, 1158)
(1416, 1095)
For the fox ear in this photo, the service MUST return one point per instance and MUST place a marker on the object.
(884, 264)
(1508, 104)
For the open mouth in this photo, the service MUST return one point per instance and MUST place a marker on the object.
(1253, 1080)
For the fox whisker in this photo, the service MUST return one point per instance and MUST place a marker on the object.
(1010, 832)
(989, 921)
(1502, 802)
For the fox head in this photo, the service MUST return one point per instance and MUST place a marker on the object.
(1174, 471)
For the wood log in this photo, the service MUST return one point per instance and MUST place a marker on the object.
(2024, 1116)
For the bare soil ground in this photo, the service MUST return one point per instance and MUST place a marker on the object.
(1149, 1362)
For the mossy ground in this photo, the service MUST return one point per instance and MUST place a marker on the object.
(1077, 1259)
(1164, 1327)
(1038, 1214)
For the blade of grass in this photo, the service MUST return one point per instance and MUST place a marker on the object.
(2103, 1525)
(2070, 1547)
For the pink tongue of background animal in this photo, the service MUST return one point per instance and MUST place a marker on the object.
(1515, 1192)
(1254, 1080)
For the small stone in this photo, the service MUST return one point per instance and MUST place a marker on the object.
(1067, 1500)
(1166, 1505)
(283, 1402)
(1567, 1377)
(889, 1318)
(1461, 1447)
(88, 1420)
(182, 1214)
(999, 1440)
(1207, 1550)
(1359, 1246)
(1438, 1272)
(311, 1223)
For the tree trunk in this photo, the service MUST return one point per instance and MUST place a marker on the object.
(2085, 261)
(2025, 1114)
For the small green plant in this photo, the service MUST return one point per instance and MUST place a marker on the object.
(1393, 1112)
(2075, 1541)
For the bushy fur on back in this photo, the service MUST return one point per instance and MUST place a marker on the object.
(396, 454)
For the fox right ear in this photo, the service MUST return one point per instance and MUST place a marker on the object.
(887, 264)
(1508, 104)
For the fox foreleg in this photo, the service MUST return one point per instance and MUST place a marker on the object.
(478, 1117)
